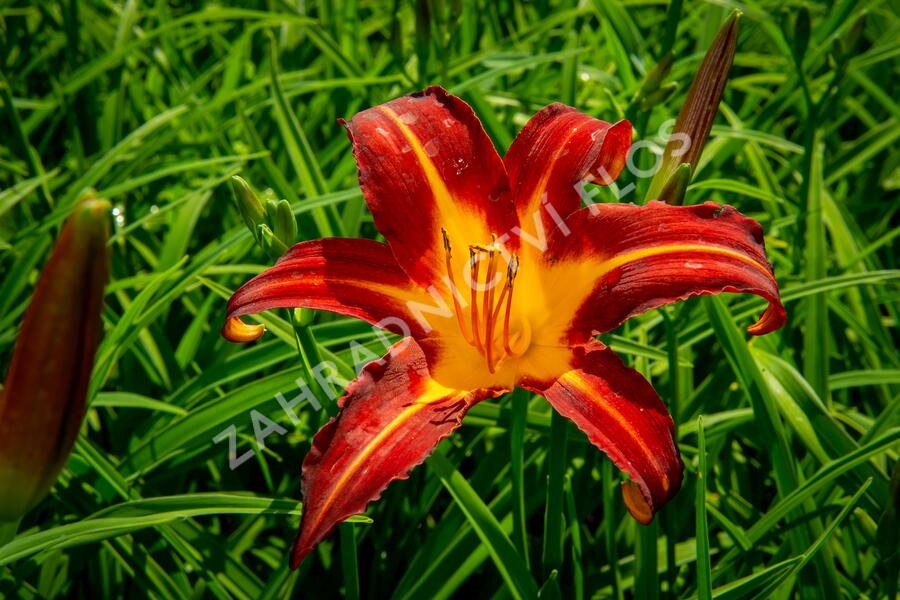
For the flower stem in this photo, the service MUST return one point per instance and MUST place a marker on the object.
(519, 416)
(553, 517)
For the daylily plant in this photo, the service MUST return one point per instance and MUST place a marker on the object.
(498, 278)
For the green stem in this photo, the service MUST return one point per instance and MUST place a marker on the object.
(556, 470)
(609, 525)
(517, 460)
(348, 561)
(646, 578)
(670, 521)
(646, 575)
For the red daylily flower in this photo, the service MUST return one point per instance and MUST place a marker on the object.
(500, 279)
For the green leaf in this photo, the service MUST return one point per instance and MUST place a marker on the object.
(511, 566)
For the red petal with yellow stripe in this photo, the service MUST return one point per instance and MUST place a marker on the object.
(425, 163)
(620, 260)
(392, 417)
(354, 277)
(556, 152)
(622, 416)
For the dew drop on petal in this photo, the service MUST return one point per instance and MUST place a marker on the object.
(693, 265)
(406, 148)
(409, 118)
(431, 148)
(448, 123)
(382, 131)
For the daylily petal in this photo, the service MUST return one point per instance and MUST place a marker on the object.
(353, 277)
(556, 151)
(425, 163)
(392, 417)
(622, 416)
(631, 259)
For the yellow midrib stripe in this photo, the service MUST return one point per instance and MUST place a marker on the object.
(618, 260)
(431, 173)
(579, 382)
(433, 392)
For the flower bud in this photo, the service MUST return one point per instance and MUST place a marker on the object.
(270, 243)
(699, 110)
(800, 37)
(654, 79)
(43, 401)
(248, 205)
(284, 224)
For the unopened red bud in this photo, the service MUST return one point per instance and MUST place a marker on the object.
(43, 401)
(699, 110)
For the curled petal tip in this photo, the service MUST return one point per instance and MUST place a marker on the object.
(235, 330)
(636, 503)
(774, 318)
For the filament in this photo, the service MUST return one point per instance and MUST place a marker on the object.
(484, 319)
(511, 273)
(454, 290)
(474, 285)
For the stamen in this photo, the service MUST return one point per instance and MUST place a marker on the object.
(490, 329)
(473, 265)
(454, 291)
(511, 272)
(489, 287)
(489, 304)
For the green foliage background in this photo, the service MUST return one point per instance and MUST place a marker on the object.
(157, 104)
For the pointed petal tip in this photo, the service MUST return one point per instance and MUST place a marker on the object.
(235, 330)
(623, 125)
(298, 553)
(636, 503)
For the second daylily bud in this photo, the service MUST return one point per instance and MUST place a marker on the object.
(284, 223)
(42, 403)
(248, 205)
(654, 79)
(658, 96)
(273, 246)
(696, 116)
(304, 316)
(800, 37)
